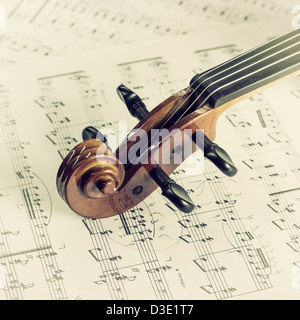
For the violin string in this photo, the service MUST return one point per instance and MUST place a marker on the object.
(239, 79)
(270, 65)
(269, 47)
(229, 64)
(246, 67)
(291, 33)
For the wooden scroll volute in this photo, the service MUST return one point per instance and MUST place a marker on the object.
(88, 173)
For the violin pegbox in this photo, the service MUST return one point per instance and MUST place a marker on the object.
(97, 183)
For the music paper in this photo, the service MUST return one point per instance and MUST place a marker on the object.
(240, 242)
(42, 28)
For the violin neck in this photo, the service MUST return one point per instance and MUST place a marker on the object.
(250, 72)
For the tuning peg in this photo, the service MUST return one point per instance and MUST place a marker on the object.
(134, 103)
(92, 133)
(170, 189)
(219, 157)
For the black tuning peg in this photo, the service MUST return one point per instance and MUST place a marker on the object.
(170, 189)
(134, 103)
(219, 157)
(92, 133)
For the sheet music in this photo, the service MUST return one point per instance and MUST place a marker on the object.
(241, 241)
(45, 28)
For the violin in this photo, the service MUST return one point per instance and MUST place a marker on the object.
(96, 182)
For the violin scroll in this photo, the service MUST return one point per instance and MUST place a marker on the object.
(89, 172)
